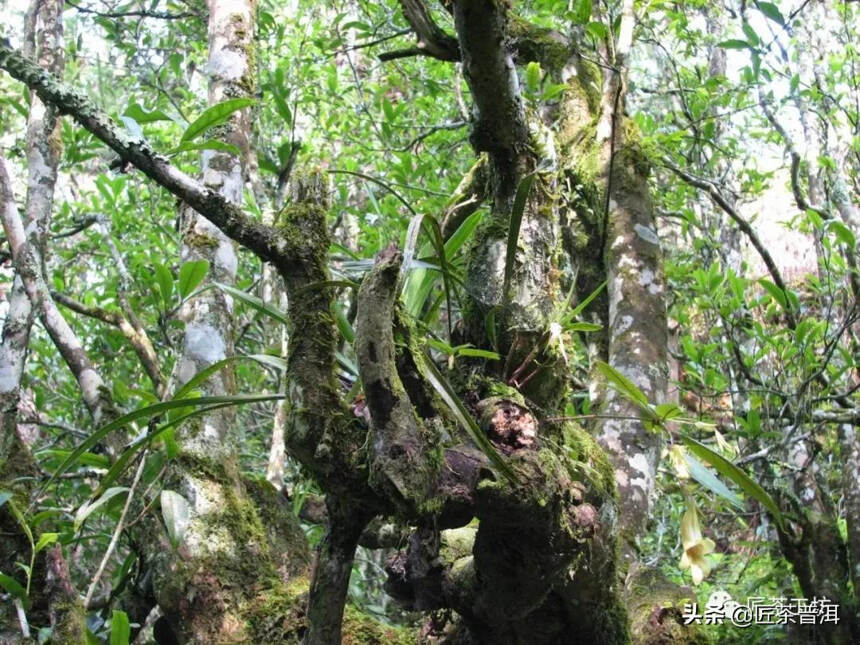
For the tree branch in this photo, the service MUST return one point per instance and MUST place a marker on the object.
(160, 15)
(488, 63)
(228, 217)
(717, 197)
(28, 264)
(432, 39)
(137, 338)
(399, 447)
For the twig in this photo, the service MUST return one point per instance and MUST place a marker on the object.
(160, 15)
(115, 539)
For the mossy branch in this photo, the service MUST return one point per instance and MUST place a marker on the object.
(401, 444)
(488, 63)
(321, 432)
(226, 216)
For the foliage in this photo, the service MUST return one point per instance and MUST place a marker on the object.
(760, 366)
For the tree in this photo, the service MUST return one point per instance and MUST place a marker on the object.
(483, 392)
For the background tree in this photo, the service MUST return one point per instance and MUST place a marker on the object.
(490, 335)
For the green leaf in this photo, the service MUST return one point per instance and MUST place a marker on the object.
(490, 326)
(778, 294)
(421, 281)
(597, 30)
(346, 364)
(176, 513)
(343, 325)
(254, 302)
(215, 115)
(771, 11)
(734, 44)
(141, 115)
(581, 11)
(583, 326)
(275, 362)
(446, 393)
(12, 586)
(751, 34)
(22, 521)
(730, 471)
(126, 456)
(189, 386)
(708, 479)
(463, 233)
(209, 144)
(533, 76)
(553, 90)
(191, 274)
(164, 278)
(517, 212)
(429, 223)
(152, 411)
(46, 539)
(477, 353)
(120, 629)
(668, 411)
(591, 296)
(5, 496)
(388, 110)
(843, 234)
(89, 508)
(622, 384)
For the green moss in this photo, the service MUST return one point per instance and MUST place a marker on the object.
(71, 627)
(456, 544)
(197, 240)
(287, 541)
(277, 613)
(590, 82)
(589, 458)
(539, 44)
(361, 629)
(491, 388)
(650, 593)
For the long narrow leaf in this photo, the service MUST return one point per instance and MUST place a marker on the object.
(436, 241)
(735, 474)
(12, 586)
(123, 460)
(514, 231)
(254, 302)
(91, 507)
(591, 296)
(708, 479)
(205, 373)
(151, 411)
(625, 386)
(214, 115)
(446, 392)
(421, 281)
(120, 629)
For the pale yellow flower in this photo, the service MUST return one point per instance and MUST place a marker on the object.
(678, 461)
(724, 445)
(695, 546)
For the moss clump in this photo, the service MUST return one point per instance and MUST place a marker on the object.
(539, 44)
(72, 625)
(287, 542)
(197, 240)
(456, 544)
(361, 629)
(277, 614)
(586, 455)
(655, 607)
